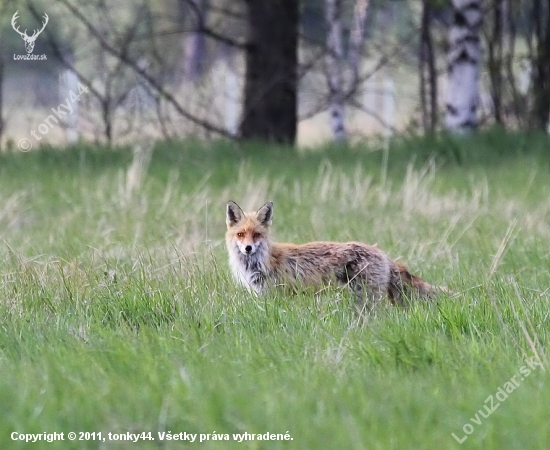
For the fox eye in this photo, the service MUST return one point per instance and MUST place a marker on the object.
(240, 234)
(256, 235)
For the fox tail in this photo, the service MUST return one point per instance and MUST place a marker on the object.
(403, 283)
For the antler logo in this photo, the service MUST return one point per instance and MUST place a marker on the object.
(29, 40)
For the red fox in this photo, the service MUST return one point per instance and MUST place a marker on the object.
(259, 263)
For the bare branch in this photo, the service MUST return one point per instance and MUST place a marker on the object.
(124, 57)
(202, 28)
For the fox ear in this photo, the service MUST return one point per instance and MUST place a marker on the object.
(265, 214)
(234, 213)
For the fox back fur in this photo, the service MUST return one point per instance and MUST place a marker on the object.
(258, 263)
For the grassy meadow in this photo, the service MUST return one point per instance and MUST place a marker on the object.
(118, 313)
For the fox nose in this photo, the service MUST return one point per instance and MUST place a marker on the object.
(248, 248)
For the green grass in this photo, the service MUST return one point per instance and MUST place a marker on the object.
(118, 312)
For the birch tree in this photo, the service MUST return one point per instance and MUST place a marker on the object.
(428, 70)
(463, 65)
(335, 57)
(540, 112)
(194, 45)
(335, 62)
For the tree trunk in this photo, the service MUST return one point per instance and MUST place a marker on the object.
(517, 107)
(428, 71)
(356, 38)
(335, 61)
(2, 123)
(194, 45)
(463, 66)
(495, 57)
(270, 92)
(541, 66)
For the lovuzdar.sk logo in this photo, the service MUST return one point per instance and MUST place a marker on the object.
(29, 40)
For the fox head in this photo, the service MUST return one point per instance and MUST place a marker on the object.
(248, 231)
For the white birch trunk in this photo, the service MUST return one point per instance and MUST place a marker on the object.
(193, 41)
(232, 100)
(463, 66)
(356, 37)
(68, 81)
(389, 108)
(334, 61)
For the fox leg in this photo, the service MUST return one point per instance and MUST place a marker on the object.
(366, 295)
